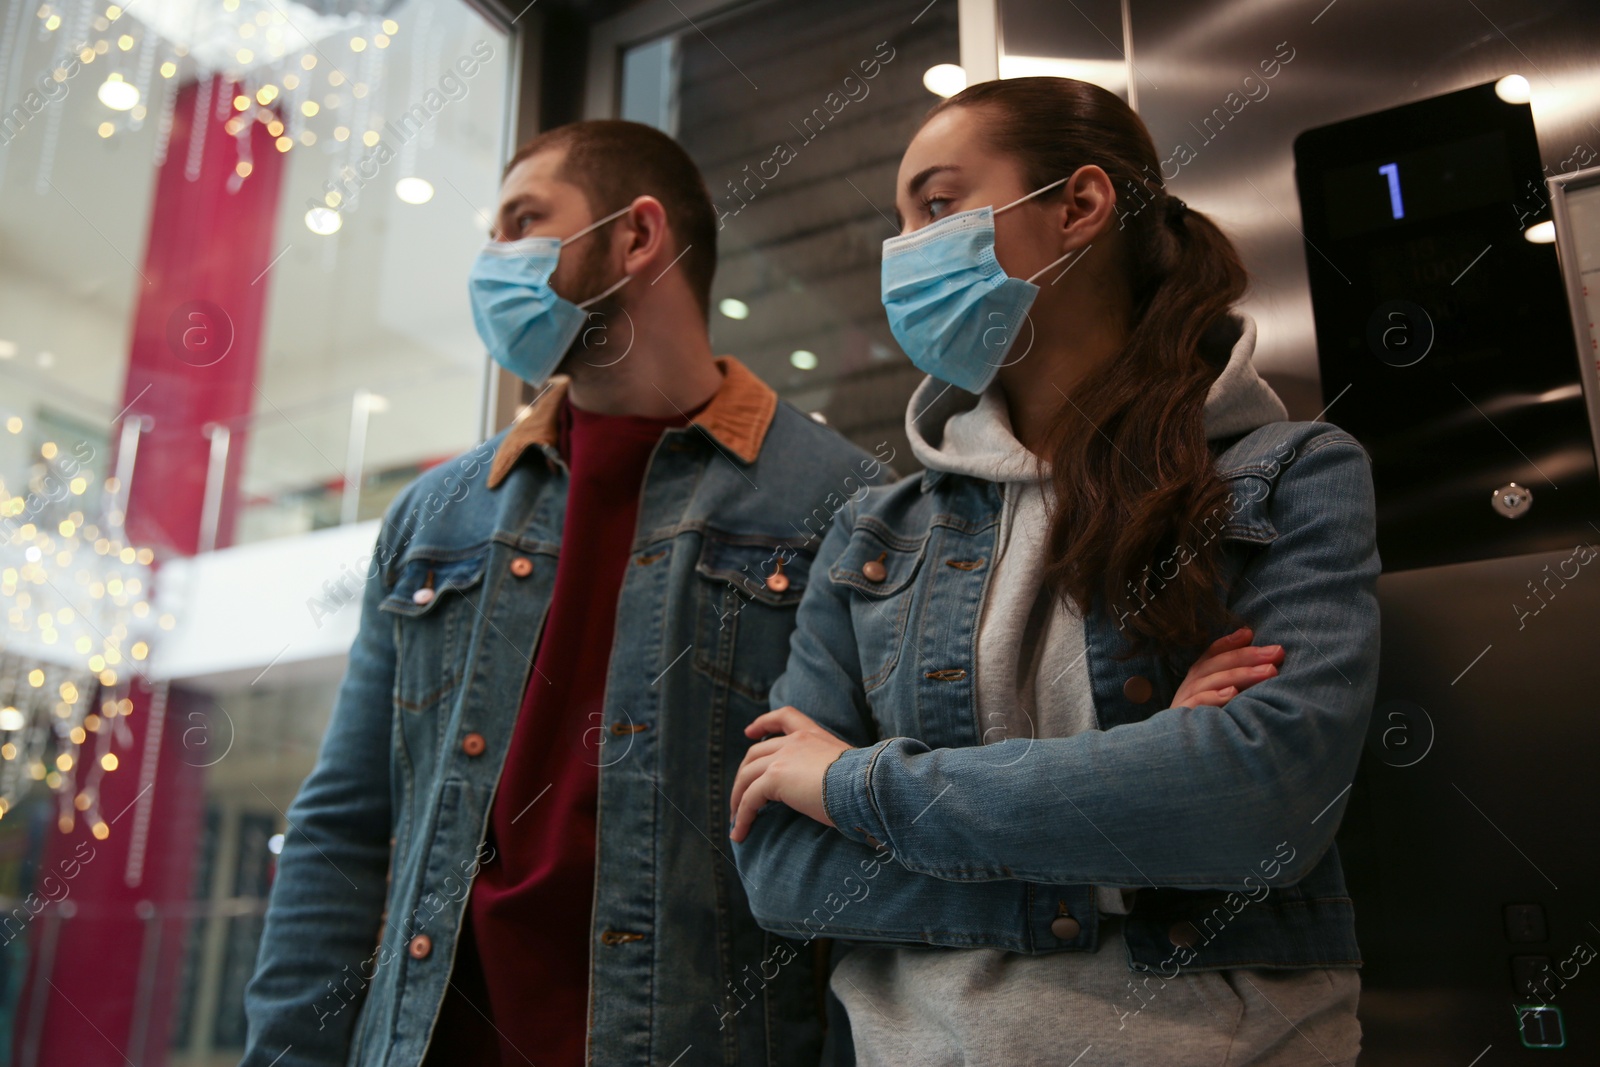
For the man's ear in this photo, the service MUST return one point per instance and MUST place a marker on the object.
(1088, 200)
(650, 235)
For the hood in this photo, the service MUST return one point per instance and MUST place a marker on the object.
(956, 431)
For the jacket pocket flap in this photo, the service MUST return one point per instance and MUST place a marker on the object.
(877, 565)
(761, 568)
(425, 579)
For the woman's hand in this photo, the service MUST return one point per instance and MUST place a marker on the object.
(787, 768)
(1229, 667)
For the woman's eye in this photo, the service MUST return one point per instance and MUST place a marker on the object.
(935, 206)
(522, 222)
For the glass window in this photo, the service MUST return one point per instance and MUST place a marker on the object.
(234, 240)
(376, 155)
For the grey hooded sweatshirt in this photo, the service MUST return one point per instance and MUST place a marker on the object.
(985, 1006)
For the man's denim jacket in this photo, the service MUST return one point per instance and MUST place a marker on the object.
(1223, 818)
(386, 833)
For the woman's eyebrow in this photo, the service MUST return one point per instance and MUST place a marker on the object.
(920, 179)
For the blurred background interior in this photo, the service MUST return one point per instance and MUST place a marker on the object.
(234, 237)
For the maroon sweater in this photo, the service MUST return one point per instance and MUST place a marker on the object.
(519, 988)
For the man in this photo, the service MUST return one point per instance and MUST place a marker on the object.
(559, 650)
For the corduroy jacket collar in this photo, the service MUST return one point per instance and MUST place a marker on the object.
(737, 417)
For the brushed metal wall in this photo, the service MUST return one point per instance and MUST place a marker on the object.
(1477, 791)
(1349, 58)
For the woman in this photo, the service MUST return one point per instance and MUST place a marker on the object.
(984, 743)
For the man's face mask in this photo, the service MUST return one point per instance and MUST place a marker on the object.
(950, 305)
(523, 322)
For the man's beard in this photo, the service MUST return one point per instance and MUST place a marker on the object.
(607, 332)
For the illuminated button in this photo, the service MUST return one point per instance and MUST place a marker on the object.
(1541, 1026)
(473, 744)
(1138, 689)
(522, 566)
(777, 581)
(420, 946)
(1066, 928)
(422, 596)
(874, 570)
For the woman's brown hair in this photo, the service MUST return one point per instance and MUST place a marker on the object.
(1136, 494)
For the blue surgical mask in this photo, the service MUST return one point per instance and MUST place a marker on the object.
(523, 322)
(951, 306)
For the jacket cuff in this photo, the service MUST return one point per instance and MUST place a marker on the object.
(847, 794)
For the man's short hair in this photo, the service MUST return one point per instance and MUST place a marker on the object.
(614, 161)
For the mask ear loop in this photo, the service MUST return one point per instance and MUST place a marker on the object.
(595, 225)
(1048, 266)
(1030, 196)
(626, 278)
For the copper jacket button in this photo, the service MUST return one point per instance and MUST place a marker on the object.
(1138, 689)
(778, 582)
(873, 571)
(473, 744)
(1066, 927)
(1183, 934)
(420, 946)
(522, 566)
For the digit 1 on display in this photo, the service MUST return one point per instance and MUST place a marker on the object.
(1392, 172)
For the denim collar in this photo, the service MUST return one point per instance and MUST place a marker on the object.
(738, 416)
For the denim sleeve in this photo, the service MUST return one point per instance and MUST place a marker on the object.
(328, 894)
(808, 880)
(1190, 797)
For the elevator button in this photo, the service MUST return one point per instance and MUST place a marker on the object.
(1525, 924)
(1540, 1026)
(1532, 977)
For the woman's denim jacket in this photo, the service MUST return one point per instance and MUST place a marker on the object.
(384, 837)
(1222, 818)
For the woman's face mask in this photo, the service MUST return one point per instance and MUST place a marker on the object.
(950, 305)
(523, 322)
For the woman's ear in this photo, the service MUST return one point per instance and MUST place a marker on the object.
(1088, 202)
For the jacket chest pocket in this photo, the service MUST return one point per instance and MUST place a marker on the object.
(434, 605)
(879, 568)
(748, 590)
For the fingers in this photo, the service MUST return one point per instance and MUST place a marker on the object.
(750, 801)
(1211, 698)
(784, 720)
(1248, 656)
(749, 771)
(1241, 678)
(1237, 639)
(763, 748)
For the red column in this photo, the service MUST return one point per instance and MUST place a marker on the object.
(196, 343)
